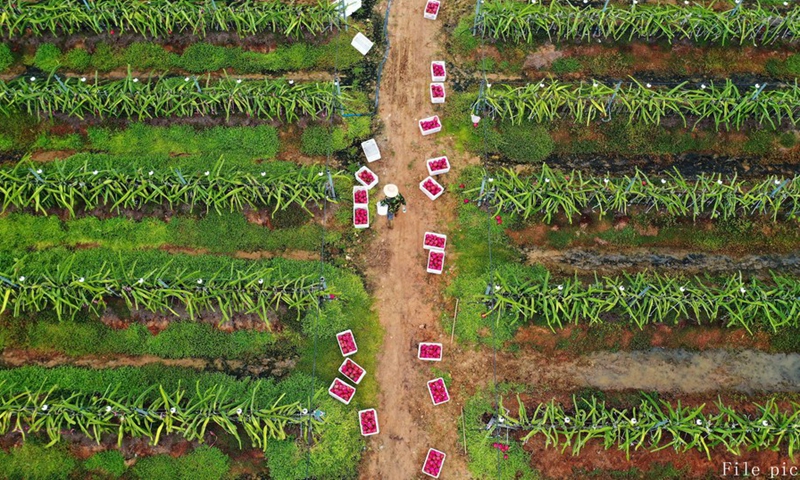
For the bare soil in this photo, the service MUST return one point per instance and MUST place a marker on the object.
(408, 299)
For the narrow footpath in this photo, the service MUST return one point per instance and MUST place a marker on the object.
(408, 299)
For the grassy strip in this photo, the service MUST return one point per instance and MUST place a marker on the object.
(334, 455)
(533, 142)
(215, 233)
(196, 58)
(179, 340)
(736, 235)
(33, 460)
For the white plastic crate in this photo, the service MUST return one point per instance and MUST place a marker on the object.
(345, 334)
(354, 380)
(360, 189)
(337, 397)
(430, 359)
(432, 9)
(435, 99)
(438, 78)
(431, 130)
(362, 43)
(360, 207)
(361, 424)
(431, 247)
(362, 182)
(441, 465)
(437, 380)
(432, 170)
(427, 192)
(371, 150)
(431, 255)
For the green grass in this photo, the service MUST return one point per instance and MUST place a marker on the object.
(197, 58)
(472, 262)
(182, 339)
(486, 461)
(616, 137)
(216, 233)
(334, 455)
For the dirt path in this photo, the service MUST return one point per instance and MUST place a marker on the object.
(409, 299)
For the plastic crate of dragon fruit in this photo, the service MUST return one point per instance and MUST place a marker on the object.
(435, 261)
(430, 352)
(437, 93)
(342, 391)
(434, 461)
(368, 419)
(347, 343)
(432, 9)
(438, 71)
(438, 391)
(360, 196)
(437, 166)
(430, 125)
(434, 241)
(353, 371)
(360, 216)
(366, 177)
(431, 188)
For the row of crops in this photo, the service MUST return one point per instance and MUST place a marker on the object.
(166, 97)
(569, 102)
(116, 188)
(642, 299)
(655, 425)
(548, 193)
(179, 412)
(254, 289)
(558, 20)
(126, 184)
(165, 17)
(725, 106)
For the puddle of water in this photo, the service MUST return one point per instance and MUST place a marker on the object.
(690, 372)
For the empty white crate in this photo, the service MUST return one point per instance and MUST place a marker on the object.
(362, 43)
(371, 150)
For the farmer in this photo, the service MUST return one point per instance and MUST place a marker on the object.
(393, 201)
